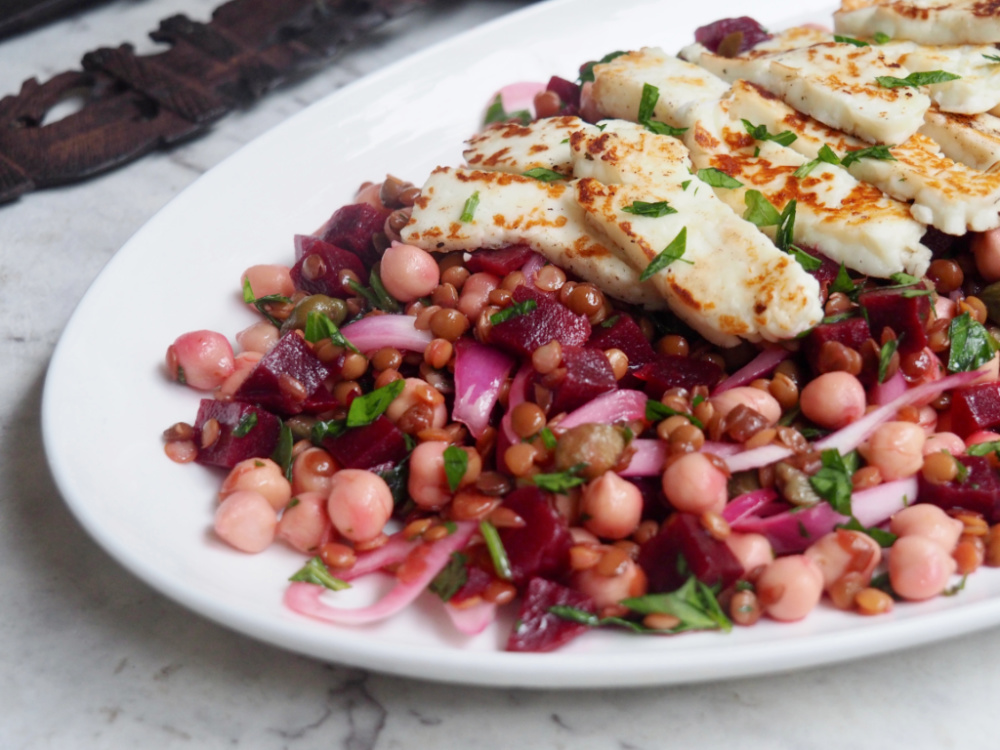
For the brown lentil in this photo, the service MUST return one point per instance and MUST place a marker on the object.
(345, 390)
(744, 608)
(939, 468)
(686, 438)
(179, 431)
(390, 190)
(629, 547)
(946, 274)
(505, 518)
(785, 391)
(456, 276)
(387, 376)
(836, 357)
(547, 358)
(520, 459)
(415, 529)
(436, 533)
(313, 267)
(395, 222)
(469, 505)
(527, 419)
(762, 438)
(547, 104)
(937, 336)
(423, 321)
(992, 557)
(673, 345)
(586, 300)
(499, 592)
(704, 412)
(661, 621)
(513, 280)
(355, 365)
(486, 442)
(494, 483)
(210, 432)
(337, 556)
(550, 278)
(438, 353)
(613, 562)
(975, 307)
(345, 277)
(327, 351)
(181, 451)
(973, 523)
(969, 553)
(837, 303)
(449, 324)
(872, 601)
(761, 384)
(369, 544)
(416, 419)
(865, 478)
(445, 295)
(716, 526)
(916, 364)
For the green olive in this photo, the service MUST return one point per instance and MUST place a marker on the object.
(335, 309)
(598, 446)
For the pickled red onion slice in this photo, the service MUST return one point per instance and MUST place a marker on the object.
(480, 371)
(377, 331)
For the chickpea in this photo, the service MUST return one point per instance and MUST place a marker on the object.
(844, 551)
(312, 471)
(759, 400)
(752, 550)
(833, 400)
(242, 365)
(611, 507)
(261, 475)
(266, 280)
(790, 587)
(607, 590)
(693, 484)
(359, 504)
(259, 337)
(919, 568)
(929, 522)
(305, 524)
(428, 483)
(200, 359)
(896, 449)
(408, 272)
(944, 441)
(476, 293)
(247, 521)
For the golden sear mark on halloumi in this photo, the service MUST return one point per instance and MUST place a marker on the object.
(948, 195)
(516, 148)
(972, 140)
(520, 210)
(936, 22)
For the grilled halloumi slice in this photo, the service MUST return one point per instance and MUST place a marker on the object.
(849, 221)
(732, 282)
(972, 140)
(832, 82)
(512, 210)
(978, 88)
(924, 21)
(947, 195)
(516, 148)
(618, 86)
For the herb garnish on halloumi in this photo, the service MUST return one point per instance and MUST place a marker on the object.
(924, 21)
(947, 195)
(514, 210)
(732, 281)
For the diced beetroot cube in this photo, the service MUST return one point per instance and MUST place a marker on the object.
(654, 503)
(536, 628)
(624, 333)
(979, 492)
(352, 227)
(684, 548)
(261, 430)
(585, 374)
(712, 35)
(906, 315)
(291, 357)
(826, 273)
(974, 408)
(944, 245)
(567, 91)
(320, 275)
(672, 371)
(522, 334)
(500, 261)
(541, 546)
(852, 333)
(380, 442)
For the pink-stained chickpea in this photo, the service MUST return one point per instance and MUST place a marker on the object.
(693, 484)
(986, 250)
(609, 590)
(370, 194)
(833, 400)
(752, 550)
(409, 272)
(312, 471)
(790, 587)
(611, 507)
(927, 521)
(359, 504)
(428, 483)
(260, 337)
(200, 359)
(476, 294)
(246, 521)
(589, 110)
(844, 551)
(988, 373)
(305, 524)
(919, 568)
(242, 365)
(944, 441)
(261, 475)
(759, 400)
(896, 449)
(266, 280)
(982, 436)
(927, 419)
(933, 373)
(417, 391)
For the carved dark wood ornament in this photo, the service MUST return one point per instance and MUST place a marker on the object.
(134, 104)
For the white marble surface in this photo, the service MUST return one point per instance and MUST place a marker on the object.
(92, 658)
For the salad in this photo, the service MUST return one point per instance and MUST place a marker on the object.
(506, 429)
